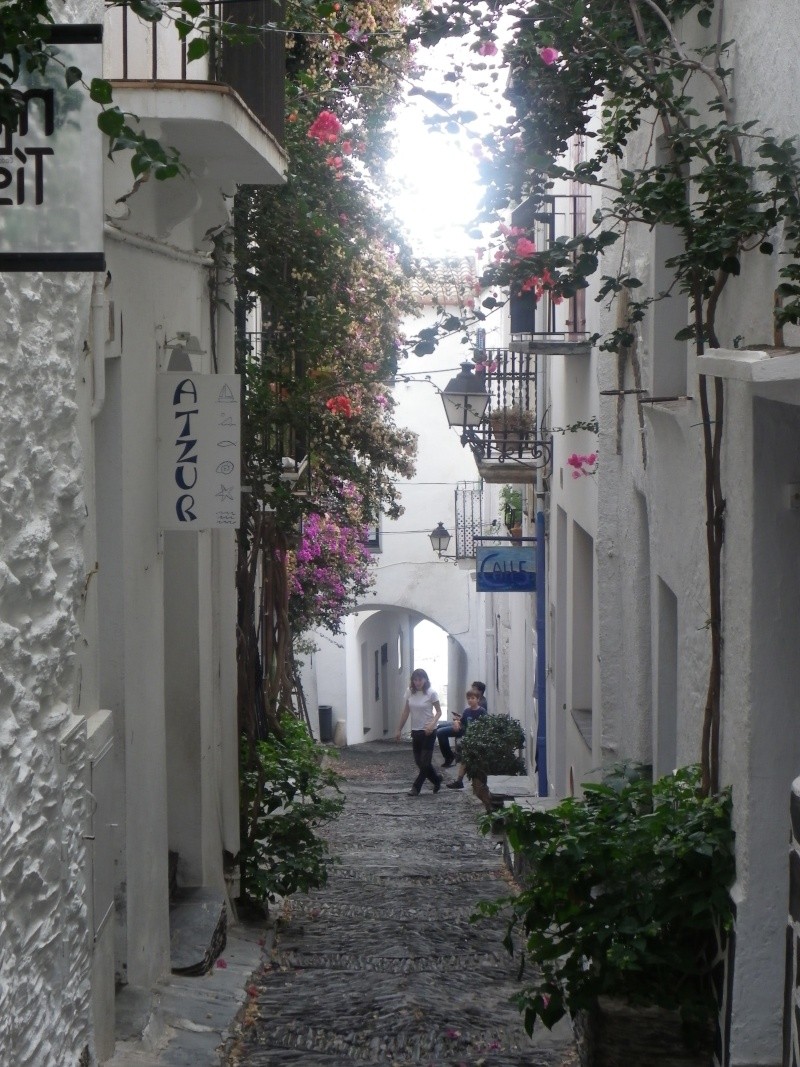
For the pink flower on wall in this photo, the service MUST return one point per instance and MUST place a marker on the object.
(325, 128)
(583, 465)
(487, 48)
(549, 56)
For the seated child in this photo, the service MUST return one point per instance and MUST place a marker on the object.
(459, 725)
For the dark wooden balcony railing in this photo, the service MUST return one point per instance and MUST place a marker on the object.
(254, 67)
(559, 215)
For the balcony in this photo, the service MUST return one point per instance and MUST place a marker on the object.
(224, 112)
(541, 324)
(506, 445)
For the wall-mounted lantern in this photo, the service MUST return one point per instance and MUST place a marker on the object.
(465, 399)
(440, 539)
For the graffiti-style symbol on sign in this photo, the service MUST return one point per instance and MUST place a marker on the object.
(228, 517)
(225, 492)
(226, 396)
(227, 420)
(226, 444)
(225, 467)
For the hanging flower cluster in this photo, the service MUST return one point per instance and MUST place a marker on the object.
(340, 405)
(325, 128)
(583, 465)
(509, 261)
(329, 571)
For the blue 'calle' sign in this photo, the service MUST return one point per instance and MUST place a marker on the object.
(506, 570)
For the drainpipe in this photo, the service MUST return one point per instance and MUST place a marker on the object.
(541, 658)
(98, 333)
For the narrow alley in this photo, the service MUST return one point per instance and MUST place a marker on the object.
(383, 965)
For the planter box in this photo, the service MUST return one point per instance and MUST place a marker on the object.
(619, 1034)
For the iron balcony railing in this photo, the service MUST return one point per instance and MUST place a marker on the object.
(285, 434)
(509, 430)
(137, 50)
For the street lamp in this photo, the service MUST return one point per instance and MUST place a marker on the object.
(440, 539)
(465, 399)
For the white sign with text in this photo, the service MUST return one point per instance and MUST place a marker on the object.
(199, 464)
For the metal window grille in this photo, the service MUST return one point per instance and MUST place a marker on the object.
(469, 517)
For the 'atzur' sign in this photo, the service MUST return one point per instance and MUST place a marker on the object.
(199, 465)
(51, 165)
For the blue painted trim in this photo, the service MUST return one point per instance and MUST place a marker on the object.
(541, 659)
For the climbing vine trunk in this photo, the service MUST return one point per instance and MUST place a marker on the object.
(715, 507)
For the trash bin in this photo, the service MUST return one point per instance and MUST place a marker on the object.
(325, 723)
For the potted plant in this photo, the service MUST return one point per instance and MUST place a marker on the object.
(492, 745)
(624, 904)
(510, 427)
(511, 503)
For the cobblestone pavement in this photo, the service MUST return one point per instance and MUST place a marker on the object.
(383, 966)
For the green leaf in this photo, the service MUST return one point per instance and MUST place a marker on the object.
(192, 7)
(111, 122)
(198, 47)
(704, 17)
(72, 75)
(100, 91)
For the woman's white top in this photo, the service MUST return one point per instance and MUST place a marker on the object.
(421, 707)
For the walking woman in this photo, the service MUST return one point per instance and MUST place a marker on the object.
(422, 704)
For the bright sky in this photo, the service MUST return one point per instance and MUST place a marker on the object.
(437, 172)
(438, 185)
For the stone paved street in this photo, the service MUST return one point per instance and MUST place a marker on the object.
(382, 966)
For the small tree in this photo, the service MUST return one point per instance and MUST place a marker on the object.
(492, 745)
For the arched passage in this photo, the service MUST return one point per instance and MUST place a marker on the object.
(364, 674)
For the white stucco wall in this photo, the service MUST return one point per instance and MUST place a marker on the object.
(652, 568)
(45, 962)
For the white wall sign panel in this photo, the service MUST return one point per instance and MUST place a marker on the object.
(199, 464)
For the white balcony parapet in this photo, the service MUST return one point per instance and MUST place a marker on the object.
(216, 134)
(751, 364)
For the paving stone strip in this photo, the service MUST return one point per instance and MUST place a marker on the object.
(383, 966)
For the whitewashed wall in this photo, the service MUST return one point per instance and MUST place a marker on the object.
(652, 569)
(45, 962)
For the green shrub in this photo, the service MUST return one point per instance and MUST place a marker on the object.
(491, 746)
(626, 893)
(287, 792)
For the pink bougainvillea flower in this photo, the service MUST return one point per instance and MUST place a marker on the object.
(549, 56)
(325, 128)
(487, 48)
(370, 368)
(252, 990)
(221, 964)
(381, 400)
(524, 247)
(347, 147)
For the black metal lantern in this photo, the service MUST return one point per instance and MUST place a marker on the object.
(465, 399)
(440, 539)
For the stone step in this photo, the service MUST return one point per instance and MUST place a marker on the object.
(198, 924)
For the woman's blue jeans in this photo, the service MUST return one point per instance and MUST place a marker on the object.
(422, 745)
